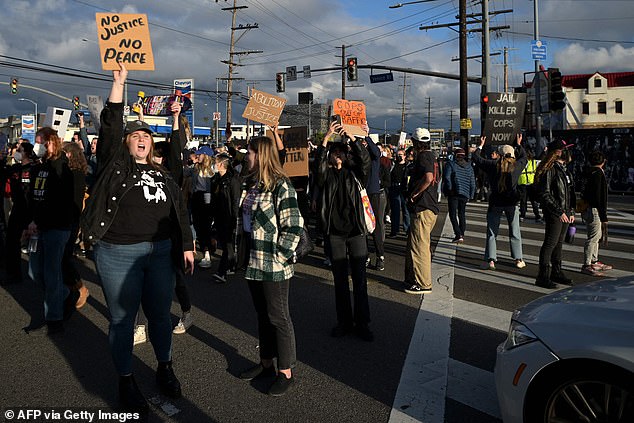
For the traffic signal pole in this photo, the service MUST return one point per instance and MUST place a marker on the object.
(538, 99)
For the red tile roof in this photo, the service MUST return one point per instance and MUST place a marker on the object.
(615, 79)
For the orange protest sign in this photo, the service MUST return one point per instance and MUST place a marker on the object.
(125, 38)
(352, 115)
(264, 108)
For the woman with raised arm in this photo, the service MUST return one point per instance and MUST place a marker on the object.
(141, 233)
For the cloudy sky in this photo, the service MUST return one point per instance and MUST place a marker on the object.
(47, 43)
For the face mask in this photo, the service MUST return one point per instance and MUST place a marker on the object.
(39, 150)
(17, 156)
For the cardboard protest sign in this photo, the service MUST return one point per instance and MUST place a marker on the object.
(352, 115)
(504, 117)
(296, 143)
(95, 106)
(264, 108)
(125, 38)
(57, 119)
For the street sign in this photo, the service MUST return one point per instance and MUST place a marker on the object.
(307, 71)
(216, 115)
(538, 50)
(381, 77)
(291, 73)
(465, 123)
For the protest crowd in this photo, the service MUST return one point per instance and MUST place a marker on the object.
(149, 212)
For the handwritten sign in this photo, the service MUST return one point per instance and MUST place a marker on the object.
(264, 108)
(296, 143)
(352, 115)
(504, 117)
(125, 38)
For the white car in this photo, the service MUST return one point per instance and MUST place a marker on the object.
(569, 357)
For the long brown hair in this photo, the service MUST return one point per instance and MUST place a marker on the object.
(76, 158)
(505, 166)
(269, 169)
(49, 135)
(546, 164)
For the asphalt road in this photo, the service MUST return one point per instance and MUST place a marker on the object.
(343, 379)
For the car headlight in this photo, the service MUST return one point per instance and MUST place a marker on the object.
(518, 335)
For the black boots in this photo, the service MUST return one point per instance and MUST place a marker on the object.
(543, 277)
(166, 380)
(130, 396)
(557, 275)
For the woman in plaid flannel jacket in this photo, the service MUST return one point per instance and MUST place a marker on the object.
(271, 224)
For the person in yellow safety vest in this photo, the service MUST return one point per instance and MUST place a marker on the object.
(526, 188)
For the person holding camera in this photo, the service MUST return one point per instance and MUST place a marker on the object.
(339, 169)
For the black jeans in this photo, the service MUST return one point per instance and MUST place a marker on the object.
(181, 291)
(202, 219)
(275, 328)
(378, 202)
(457, 206)
(553, 240)
(351, 251)
(228, 258)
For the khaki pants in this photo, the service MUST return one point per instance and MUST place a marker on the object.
(418, 252)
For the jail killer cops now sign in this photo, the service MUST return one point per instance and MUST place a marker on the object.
(125, 38)
(504, 117)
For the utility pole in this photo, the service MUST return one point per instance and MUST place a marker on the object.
(403, 104)
(506, 69)
(486, 60)
(231, 63)
(343, 71)
(451, 123)
(428, 112)
(537, 79)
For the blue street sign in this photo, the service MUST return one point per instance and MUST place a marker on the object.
(381, 77)
(538, 50)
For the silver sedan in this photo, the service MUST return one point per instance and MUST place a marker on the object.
(569, 357)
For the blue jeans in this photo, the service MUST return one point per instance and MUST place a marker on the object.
(494, 215)
(45, 268)
(132, 275)
(398, 204)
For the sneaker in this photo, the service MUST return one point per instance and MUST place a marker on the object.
(218, 278)
(139, 334)
(520, 264)
(281, 385)
(230, 272)
(205, 263)
(367, 262)
(24, 250)
(184, 323)
(380, 263)
(488, 265)
(597, 265)
(521, 219)
(456, 239)
(257, 371)
(461, 240)
(589, 269)
(388, 219)
(417, 289)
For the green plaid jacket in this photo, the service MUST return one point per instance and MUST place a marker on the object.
(275, 232)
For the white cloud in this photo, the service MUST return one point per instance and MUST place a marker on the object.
(578, 59)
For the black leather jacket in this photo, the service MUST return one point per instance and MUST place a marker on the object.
(557, 191)
(118, 173)
(326, 181)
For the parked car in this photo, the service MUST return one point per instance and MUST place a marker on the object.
(569, 357)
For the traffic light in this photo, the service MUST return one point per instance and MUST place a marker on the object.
(76, 102)
(280, 82)
(14, 86)
(556, 95)
(352, 69)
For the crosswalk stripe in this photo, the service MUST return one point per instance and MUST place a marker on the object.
(472, 386)
(489, 317)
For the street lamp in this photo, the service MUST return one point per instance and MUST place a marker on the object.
(397, 5)
(35, 104)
